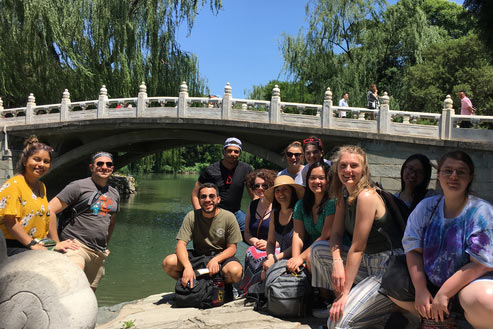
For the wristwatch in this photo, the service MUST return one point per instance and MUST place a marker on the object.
(32, 243)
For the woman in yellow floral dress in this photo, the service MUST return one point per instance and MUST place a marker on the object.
(24, 213)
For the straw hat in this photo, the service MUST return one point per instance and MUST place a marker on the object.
(284, 180)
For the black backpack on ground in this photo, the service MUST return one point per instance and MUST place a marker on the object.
(202, 293)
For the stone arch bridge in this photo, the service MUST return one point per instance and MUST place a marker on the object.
(135, 127)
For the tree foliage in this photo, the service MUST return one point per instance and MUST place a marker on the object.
(449, 67)
(50, 45)
(350, 44)
(483, 10)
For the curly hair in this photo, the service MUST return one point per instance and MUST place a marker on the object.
(266, 174)
(31, 146)
(337, 188)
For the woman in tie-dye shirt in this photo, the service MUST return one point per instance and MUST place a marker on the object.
(449, 246)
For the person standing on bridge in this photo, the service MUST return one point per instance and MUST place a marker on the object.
(229, 176)
(343, 103)
(93, 208)
(466, 108)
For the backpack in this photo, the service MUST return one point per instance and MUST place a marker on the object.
(202, 293)
(287, 293)
(398, 210)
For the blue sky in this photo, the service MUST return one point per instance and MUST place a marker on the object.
(240, 44)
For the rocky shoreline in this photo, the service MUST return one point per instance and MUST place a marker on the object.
(157, 311)
(125, 184)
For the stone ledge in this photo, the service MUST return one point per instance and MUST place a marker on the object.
(156, 311)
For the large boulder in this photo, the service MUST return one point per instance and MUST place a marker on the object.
(44, 289)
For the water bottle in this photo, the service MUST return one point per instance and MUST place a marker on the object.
(218, 291)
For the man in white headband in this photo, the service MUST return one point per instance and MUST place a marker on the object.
(228, 175)
(90, 217)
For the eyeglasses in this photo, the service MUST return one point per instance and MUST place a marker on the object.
(459, 172)
(102, 163)
(291, 154)
(257, 186)
(311, 140)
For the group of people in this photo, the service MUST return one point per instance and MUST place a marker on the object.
(325, 216)
(29, 222)
(328, 217)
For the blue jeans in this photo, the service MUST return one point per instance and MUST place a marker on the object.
(240, 218)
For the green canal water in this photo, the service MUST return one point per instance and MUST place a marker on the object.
(144, 234)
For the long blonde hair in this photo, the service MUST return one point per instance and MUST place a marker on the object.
(337, 188)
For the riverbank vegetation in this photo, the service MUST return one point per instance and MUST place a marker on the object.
(188, 159)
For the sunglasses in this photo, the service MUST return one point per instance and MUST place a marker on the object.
(311, 140)
(257, 186)
(102, 163)
(291, 154)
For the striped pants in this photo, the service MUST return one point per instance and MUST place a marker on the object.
(365, 307)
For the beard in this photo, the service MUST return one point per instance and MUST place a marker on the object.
(212, 210)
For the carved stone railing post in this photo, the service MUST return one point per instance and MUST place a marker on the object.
(384, 115)
(227, 102)
(275, 105)
(102, 102)
(182, 100)
(141, 100)
(65, 106)
(1, 109)
(31, 104)
(446, 118)
(327, 110)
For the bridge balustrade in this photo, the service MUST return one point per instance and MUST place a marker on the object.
(444, 125)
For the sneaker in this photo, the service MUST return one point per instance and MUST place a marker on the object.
(321, 313)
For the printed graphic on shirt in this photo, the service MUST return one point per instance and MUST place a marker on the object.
(103, 206)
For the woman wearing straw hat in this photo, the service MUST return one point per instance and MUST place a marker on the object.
(283, 195)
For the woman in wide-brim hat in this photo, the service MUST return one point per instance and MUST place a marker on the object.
(284, 195)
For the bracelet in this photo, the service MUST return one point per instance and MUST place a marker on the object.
(275, 258)
(337, 260)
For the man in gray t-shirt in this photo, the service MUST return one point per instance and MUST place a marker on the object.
(94, 206)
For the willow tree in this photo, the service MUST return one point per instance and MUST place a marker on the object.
(49, 45)
(320, 57)
(349, 44)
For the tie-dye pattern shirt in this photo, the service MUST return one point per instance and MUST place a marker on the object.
(447, 243)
